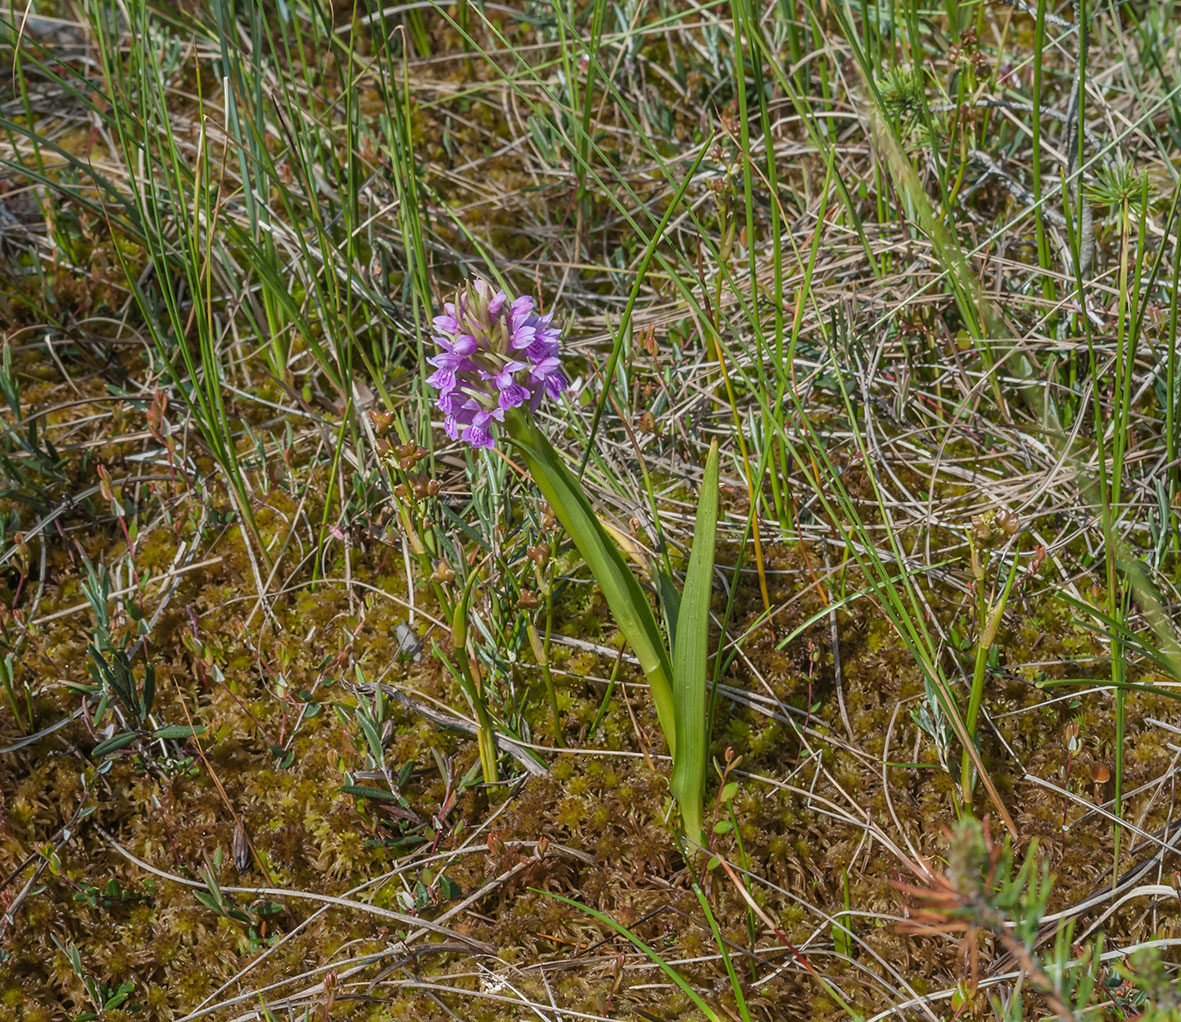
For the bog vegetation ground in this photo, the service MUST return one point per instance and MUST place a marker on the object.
(914, 267)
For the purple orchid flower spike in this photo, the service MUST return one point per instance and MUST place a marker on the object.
(496, 354)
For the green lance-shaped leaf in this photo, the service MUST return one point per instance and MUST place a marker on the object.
(691, 656)
(175, 731)
(628, 602)
(120, 741)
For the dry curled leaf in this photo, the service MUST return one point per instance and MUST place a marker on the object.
(241, 847)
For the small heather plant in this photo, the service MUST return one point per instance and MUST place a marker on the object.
(984, 891)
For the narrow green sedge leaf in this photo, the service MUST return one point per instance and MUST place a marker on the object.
(623, 931)
(691, 656)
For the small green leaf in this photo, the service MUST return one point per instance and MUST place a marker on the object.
(116, 999)
(365, 791)
(179, 731)
(119, 741)
(148, 696)
(208, 900)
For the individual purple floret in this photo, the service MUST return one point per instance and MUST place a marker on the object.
(495, 355)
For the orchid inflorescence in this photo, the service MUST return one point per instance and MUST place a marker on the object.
(497, 355)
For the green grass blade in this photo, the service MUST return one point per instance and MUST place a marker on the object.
(690, 657)
(623, 931)
(720, 941)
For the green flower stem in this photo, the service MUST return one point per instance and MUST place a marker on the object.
(628, 602)
(471, 679)
(486, 739)
(541, 655)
